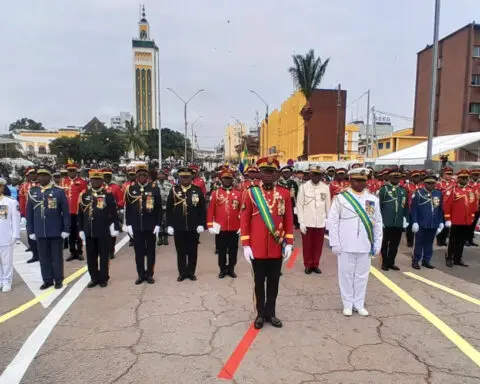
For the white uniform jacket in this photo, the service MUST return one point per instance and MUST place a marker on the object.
(346, 230)
(9, 221)
(313, 204)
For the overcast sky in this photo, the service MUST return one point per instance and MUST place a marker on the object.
(63, 62)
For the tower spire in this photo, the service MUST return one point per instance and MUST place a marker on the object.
(143, 14)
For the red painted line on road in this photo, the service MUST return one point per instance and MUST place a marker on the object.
(293, 258)
(237, 356)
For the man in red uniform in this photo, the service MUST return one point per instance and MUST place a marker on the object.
(119, 197)
(475, 185)
(74, 185)
(223, 221)
(339, 184)
(412, 186)
(266, 223)
(459, 206)
(446, 182)
(197, 180)
(31, 181)
(250, 175)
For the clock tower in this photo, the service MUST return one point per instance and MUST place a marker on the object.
(146, 80)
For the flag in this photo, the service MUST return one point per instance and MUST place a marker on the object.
(243, 160)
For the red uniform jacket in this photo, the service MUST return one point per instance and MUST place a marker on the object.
(374, 185)
(445, 185)
(73, 188)
(254, 232)
(224, 209)
(460, 205)
(475, 185)
(117, 193)
(23, 196)
(198, 181)
(337, 187)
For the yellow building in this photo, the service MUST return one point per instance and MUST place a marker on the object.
(38, 142)
(233, 137)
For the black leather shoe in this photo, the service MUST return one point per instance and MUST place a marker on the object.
(80, 257)
(428, 265)
(139, 281)
(385, 268)
(58, 285)
(112, 256)
(103, 285)
(130, 243)
(460, 263)
(473, 244)
(91, 284)
(415, 266)
(468, 244)
(317, 270)
(232, 274)
(192, 277)
(165, 240)
(258, 323)
(275, 321)
(28, 249)
(150, 280)
(308, 271)
(32, 260)
(449, 263)
(181, 278)
(45, 286)
(71, 257)
(160, 241)
(222, 274)
(395, 268)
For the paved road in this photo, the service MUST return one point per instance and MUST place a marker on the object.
(185, 332)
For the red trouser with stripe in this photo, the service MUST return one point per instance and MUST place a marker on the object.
(312, 245)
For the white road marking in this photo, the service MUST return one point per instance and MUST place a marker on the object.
(15, 371)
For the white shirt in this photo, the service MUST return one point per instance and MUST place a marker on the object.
(9, 221)
(347, 231)
(313, 204)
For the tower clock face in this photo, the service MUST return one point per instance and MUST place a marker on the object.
(143, 35)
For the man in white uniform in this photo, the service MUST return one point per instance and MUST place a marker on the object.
(9, 234)
(355, 231)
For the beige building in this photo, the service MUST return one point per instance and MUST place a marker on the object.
(38, 142)
(233, 138)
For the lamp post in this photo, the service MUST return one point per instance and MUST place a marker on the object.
(191, 126)
(185, 103)
(266, 115)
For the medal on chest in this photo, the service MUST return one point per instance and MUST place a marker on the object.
(100, 202)
(51, 202)
(195, 199)
(149, 202)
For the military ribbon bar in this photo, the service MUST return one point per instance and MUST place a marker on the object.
(363, 217)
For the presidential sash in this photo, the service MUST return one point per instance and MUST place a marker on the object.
(267, 218)
(367, 223)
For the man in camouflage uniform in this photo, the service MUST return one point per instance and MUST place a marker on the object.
(165, 186)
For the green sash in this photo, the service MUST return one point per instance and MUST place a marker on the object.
(367, 223)
(259, 199)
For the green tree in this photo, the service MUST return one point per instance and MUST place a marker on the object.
(135, 138)
(26, 124)
(307, 73)
(173, 143)
(67, 148)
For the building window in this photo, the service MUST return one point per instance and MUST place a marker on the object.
(475, 108)
(380, 145)
(42, 150)
(475, 79)
(476, 51)
(387, 145)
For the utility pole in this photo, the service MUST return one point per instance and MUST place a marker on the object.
(431, 122)
(375, 138)
(159, 113)
(339, 105)
(367, 128)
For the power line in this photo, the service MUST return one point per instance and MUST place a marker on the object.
(395, 115)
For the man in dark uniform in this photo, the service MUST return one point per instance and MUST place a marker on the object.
(287, 181)
(31, 181)
(394, 208)
(329, 174)
(186, 217)
(48, 222)
(98, 224)
(143, 215)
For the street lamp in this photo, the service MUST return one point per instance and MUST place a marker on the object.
(266, 115)
(185, 103)
(192, 125)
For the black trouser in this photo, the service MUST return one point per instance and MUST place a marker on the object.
(474, 224)
(144, 246)
(459, 234)
(186, 244)
(269, 270)
(98, 249)
(390, 243)
(409, 234)
(442, 236)
(112, 241)
(33, 247)
(50, 252)
(74, 240)
(227, 242)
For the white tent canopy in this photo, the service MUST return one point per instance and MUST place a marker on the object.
(417, 154)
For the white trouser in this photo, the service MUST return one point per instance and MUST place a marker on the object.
(6, 265)
(353, 271)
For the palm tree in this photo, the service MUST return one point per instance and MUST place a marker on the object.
(135, 138)
(307, 73)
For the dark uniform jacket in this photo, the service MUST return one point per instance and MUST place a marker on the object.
(426, 208)
(292, 186)
(143, 206)
(48, 214)
(393, 204)
(97, 210)
(186, 209)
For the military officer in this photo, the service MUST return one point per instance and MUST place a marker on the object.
(287, 181)
(250, 176)
(48, 222)
(9, 234)
(426, 213)
(446, 183)
(143, 216)
(31, 181)
(73, 185)
(459, 206)
(164, 186)
(412, 186)
(131, 174)
(98, 224)
(329, 174)
(119, 197)
(223, 221)
(339, 184)
(186, 217)
(267, 237)
(475, 185)
(197, 180)
(394, 208)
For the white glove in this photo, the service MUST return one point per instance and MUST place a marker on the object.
(440, 228)
(113, 232)
(65, 235)
(170, 231)
(14, 240)
(130, 230)
(121, 211)
(156, 230)
(448, 224)
(82, 236)
(23, 221)
(405, 222)
(294, 210)
(124, 228)
(211, 231)
(288, 252)
(415, 227)
(248, 254)
(200, 229)
(376, 251)
(303, 229)
(238, 232)
(336, 250)
(32, 237)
